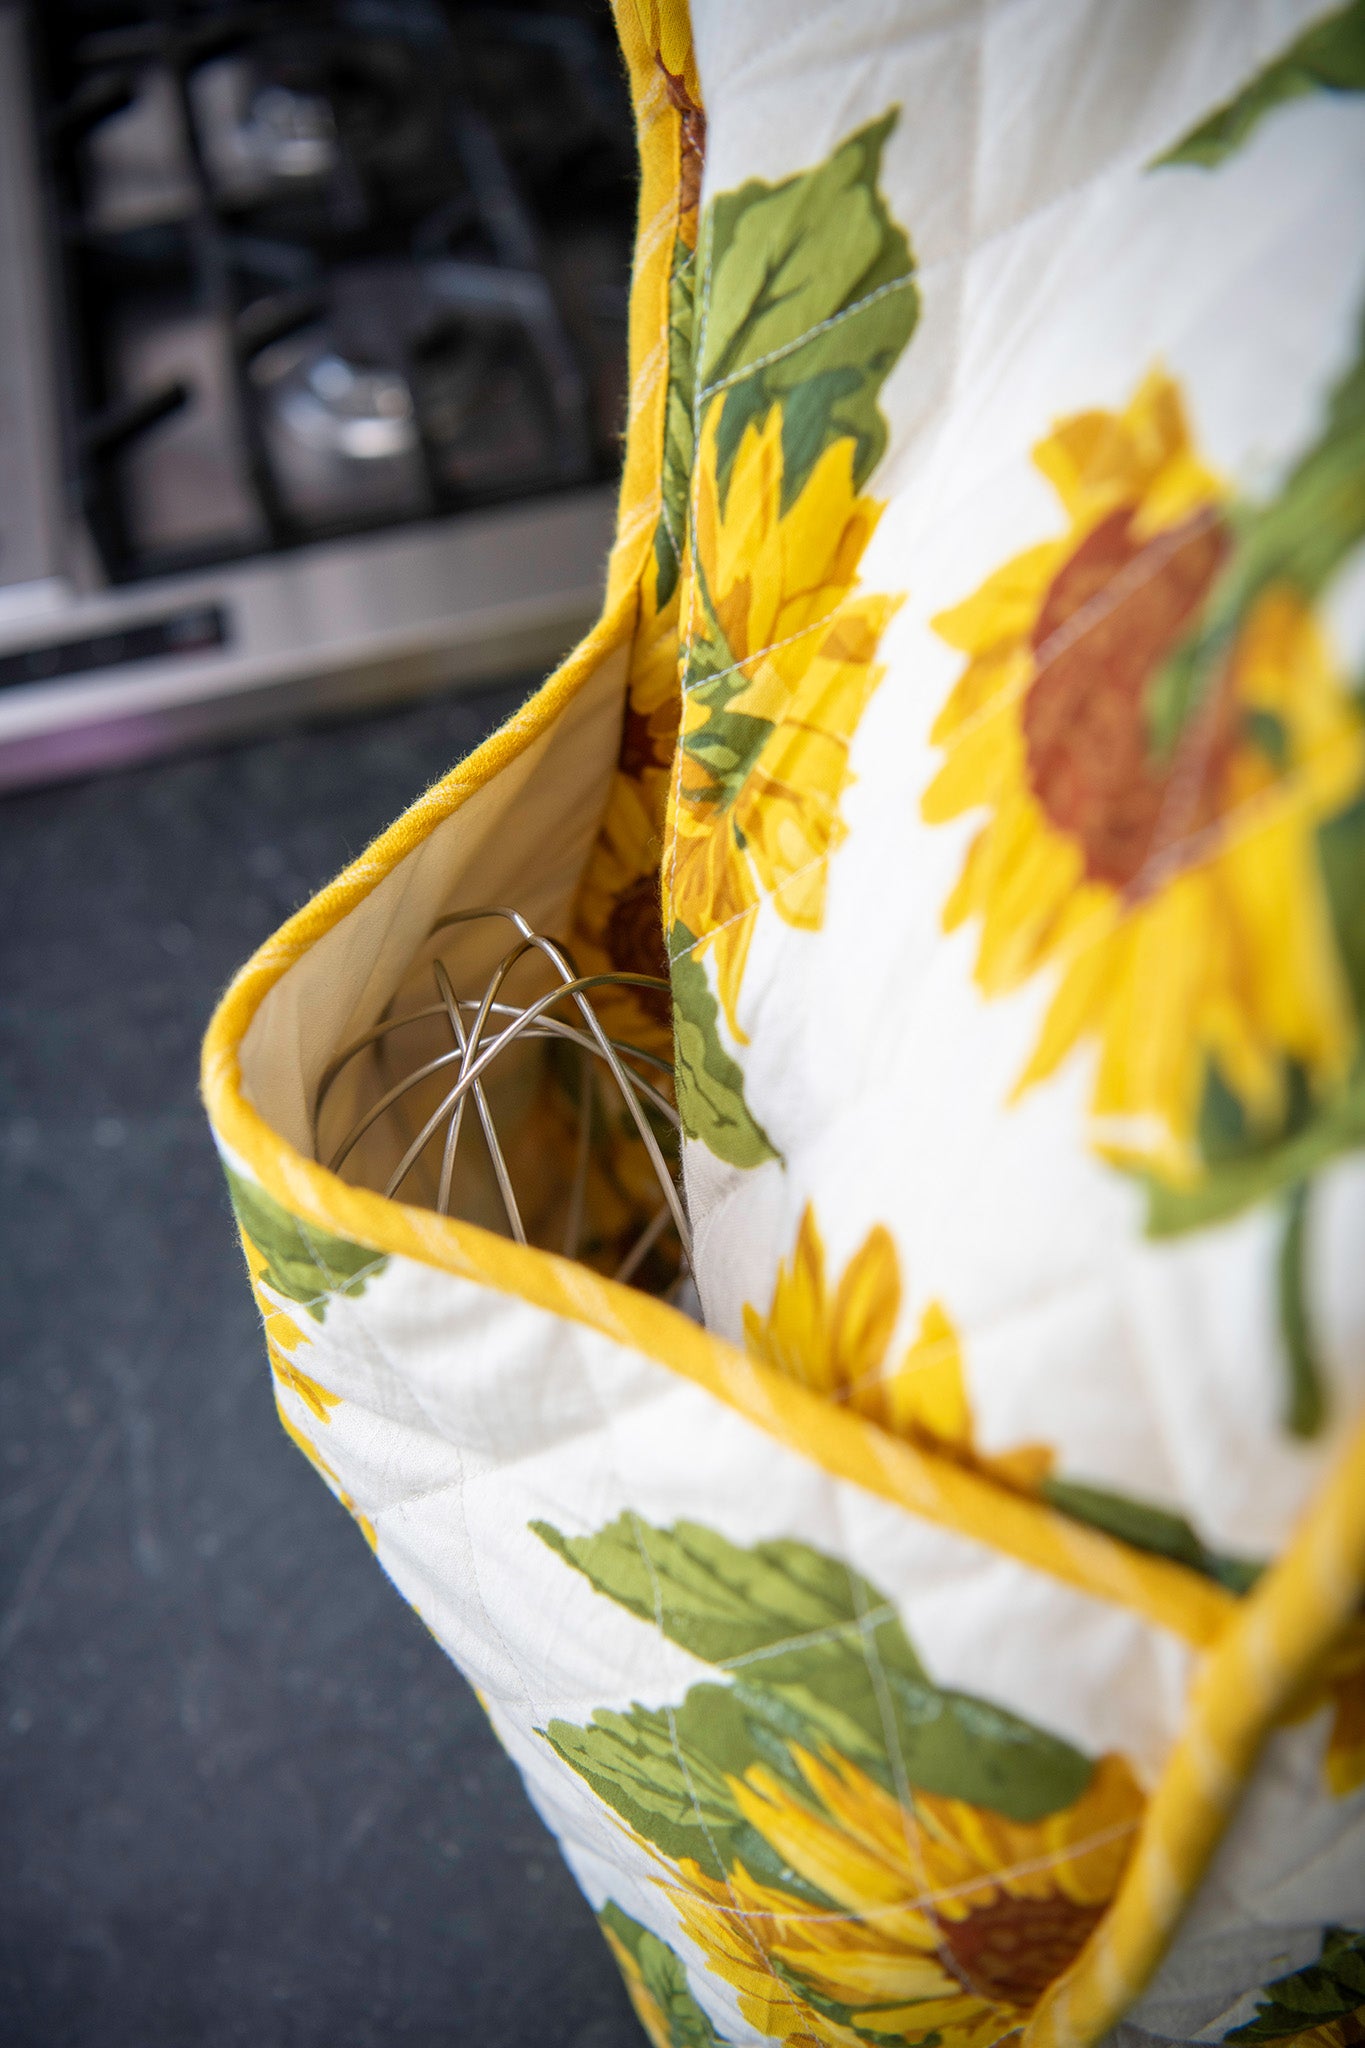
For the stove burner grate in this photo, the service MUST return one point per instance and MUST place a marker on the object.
(330, 268)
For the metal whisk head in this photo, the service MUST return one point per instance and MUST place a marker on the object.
(485, 1030)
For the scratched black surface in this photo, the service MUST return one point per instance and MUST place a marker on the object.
(244, 1799)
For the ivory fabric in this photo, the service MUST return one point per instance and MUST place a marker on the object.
(961, 1633)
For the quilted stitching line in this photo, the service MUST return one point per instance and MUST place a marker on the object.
(924, 1902)
(837, 1632)
(668, 526)
(379, 1351)
(773, 647)
(342, 1284)
(894, 284)
(972, 207)
(1116, 590)
(749, 910)
(703, 273)
(671, 1715)
(891, 1741)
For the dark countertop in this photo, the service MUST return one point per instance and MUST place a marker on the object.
(243, 1796)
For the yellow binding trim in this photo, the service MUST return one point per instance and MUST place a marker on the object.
(844, 1444)
(1278, 1636)
(1260, 1651)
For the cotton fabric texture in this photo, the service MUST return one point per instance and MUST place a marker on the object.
(960, 1636)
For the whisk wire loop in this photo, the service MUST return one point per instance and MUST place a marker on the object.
(485, 1027)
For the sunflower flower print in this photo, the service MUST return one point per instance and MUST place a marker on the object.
(837, 1338)
(1178, 900)
(805, 297)
(295, 1266)
(950, 1923)
(656, 1984)
(765, 744)
(618, 919)
(856, 1852)
(1173, 783)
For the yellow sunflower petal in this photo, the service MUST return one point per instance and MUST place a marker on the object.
(863, 1977)
(960, 2022)
(838, 1863)
(986, 755)
(647, 2008)
(795, 1335)
(1029, 876)
(1181, 903)
(866, 1306)
(928, 1390)
(1005, 606)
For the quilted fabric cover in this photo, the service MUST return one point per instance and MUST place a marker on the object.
(960, 1634)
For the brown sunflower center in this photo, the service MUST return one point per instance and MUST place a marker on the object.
(635, 941)
(641, 746)
(1114, 613)
(1011, 1950)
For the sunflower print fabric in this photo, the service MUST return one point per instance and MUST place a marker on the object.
(1193, 893)
(294, 1267)
(618, 924)
(1108, 854)
(838, 1339)
(856, 1852)
(1319, 2006)
(805, 297)
(955, 1637)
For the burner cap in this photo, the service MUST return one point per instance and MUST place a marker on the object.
(288, 133)
(353, 410)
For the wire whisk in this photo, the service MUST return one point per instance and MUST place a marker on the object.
(484, 1029)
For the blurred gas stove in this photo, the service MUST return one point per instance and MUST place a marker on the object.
(312, 356)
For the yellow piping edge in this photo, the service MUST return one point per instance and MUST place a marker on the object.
(1250, 1678)
(1261, 1647)
(845, 1444)
(658, 128)
(1166, 1594)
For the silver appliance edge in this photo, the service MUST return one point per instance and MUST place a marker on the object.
(93, 675)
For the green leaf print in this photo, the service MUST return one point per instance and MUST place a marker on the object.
(709, 1596)
(1301, 537)
(819, 1664)
(1341, 851)
(305, 1264)
(1328, 57)
(1246, 1165)
(809, 297)
(1333, 1988)
(709, 1084)
(1265, 1169)
(729, 744)
(1144, 1527)
(966, 1748)
(1317, 519)
(662, 1979)
(664, 1783)
(726, 745)
(677, 460)
(1306, 1405)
